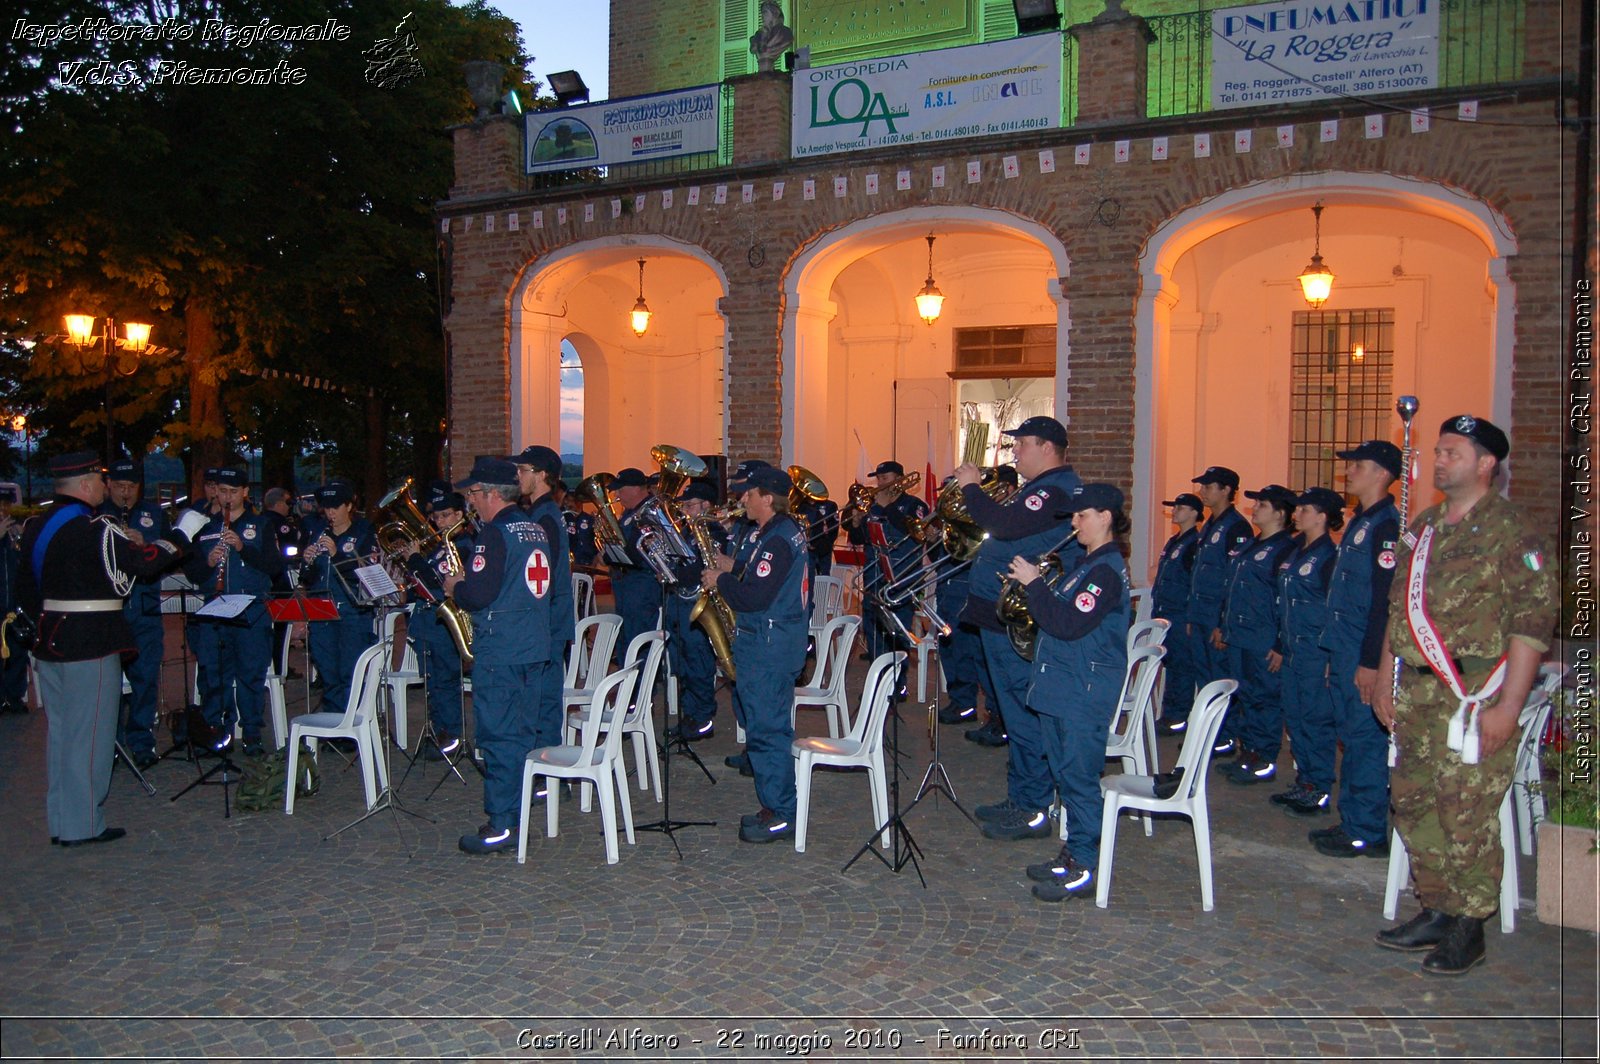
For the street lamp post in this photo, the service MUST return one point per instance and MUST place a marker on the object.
(80, 331)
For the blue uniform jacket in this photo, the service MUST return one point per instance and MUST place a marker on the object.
(563, 618)
(1358, 594)
(580, 536)
(247, 571)
(508, 588)
(1083, 634)
(1029, 524)
(1222, 537)
(357, 541)
(1250, 613)
(150, 521)
(771, 576)
(1169, 593)
(1303, 594)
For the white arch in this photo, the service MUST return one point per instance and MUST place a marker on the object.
(810, 276)
(1239, 206)
(538, 318)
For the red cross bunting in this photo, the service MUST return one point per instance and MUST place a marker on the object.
(538, 574)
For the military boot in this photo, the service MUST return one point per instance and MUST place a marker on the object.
(1460, 950)
(1423, 931)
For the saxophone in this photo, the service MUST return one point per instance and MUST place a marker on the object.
(456, 621)
(711, 611)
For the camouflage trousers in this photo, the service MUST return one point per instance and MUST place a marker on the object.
(1447, 813)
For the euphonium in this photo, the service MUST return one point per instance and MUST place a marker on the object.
(962, 536)
(607, 530)
(401, 530)
(1012, 606)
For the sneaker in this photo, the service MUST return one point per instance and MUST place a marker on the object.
(951, 714)
(563, 792)
(1047, 871)
(1324, 833)
(1224, 748)
(254, 748)
(767, 827)
(1248, 773)
(996, 811)
(1300, 790)
(488, 840)
(1314, 803)
(1244, 760)
(1171, 727)
(754, 818)
(146, 759)
(988, 735)
(694, 731)
(740, 761)
(1021, 824)
(1071, 881)
(1342, 845)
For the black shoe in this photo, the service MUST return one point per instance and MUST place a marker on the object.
(1423, 931)
(113, 834)
(1248, 773)
(1340, 844)
(996, 811)
(1244, 760)
(988, 735)
(1047, 871)
(254, 748)
(1069, 880)
(1316, 803)
(694, 731)
(1325, 833)
(487, 840)
(740, 761)
(1224, 748)
(563, 792)
(1460, 951)
(1021, 824)
(1299, 791)
(767, 827)
(1171, 727)
(443, 746)
(11, 705)
(146, 759)
(952, 714)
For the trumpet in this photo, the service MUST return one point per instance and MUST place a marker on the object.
(1012, 606)
(862, 496)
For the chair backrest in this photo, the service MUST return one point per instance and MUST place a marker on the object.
(867, 728)
(1138, 684)
(1143, 602)
(582, 595)
(1148, 633)
(1534, 716)
(833, 653)
(592, 644)
(364, 684)
(1205, 721)
(826, 594)
(647, 648)
(610, 697)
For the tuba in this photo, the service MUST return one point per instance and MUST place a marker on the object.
(595, 489)
(962, 536)
(403, 529)
(663, 540)
(807, 487)
(1012, 606)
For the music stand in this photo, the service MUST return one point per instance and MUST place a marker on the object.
(370, 585)
(180, 596)
(666, 825)
(225, 608)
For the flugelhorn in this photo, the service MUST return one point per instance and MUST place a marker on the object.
(1012, 606)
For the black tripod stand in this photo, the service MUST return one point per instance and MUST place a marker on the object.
(671, 741)
(227, 772)
(903, 847)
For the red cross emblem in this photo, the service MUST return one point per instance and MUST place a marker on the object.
(1084, 602)
(538, 573)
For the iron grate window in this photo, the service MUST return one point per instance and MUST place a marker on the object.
(1340, 389)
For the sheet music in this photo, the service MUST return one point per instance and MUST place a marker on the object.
(225, 607)
(376, 581)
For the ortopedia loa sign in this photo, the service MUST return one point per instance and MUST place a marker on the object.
(1297, 50)
(624, 131)
(979, 90)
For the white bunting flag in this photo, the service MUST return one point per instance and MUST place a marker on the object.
(1158, 148)
(938, 177)
(902, 180)
(588, 212)
(1242, 139)
(808, 189)
(1420, 120)
(538, 219)
(616, 208)
(974, 172)
(841, 186)
(1123, 149)
(719, 194)
(1202, 145)
(777, 191)
(488, 223)
(1010, 167)
(1047, 161)
(694, 196)
(1080, 154)
(638, 204)
(514, 222)
(1467, 111)
(561, 216)
(444, 225)
(872, 184)
(1285, 136)
(747, 194)
(1374, 127)
(1330, 130)
(666, 199)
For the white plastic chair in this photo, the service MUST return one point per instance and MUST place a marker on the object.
(359, 721)
(1534, 713)
(1127, 738)
(402, 677)
(863, 747)
(825, 686)
(1138, 792)
(589, 761)
(827, 602)
(1146, 633)
(1143, 602)
(277, 703)
(1528, 804)
(594, 640)
(638, 723)
(925, 641)
(582, 596)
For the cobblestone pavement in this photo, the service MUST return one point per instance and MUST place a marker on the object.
(254, 936)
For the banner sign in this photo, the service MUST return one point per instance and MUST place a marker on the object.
(976, 91)
(624, 131)
(1299, 50)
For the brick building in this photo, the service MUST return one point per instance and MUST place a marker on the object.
(1133, 271)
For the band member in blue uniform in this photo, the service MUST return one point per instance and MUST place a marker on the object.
(538, 472)
(766, 586)
(144, 523)
(76, 570)
(1030, 524)
(441, 660)
(693, 661)
(1077, 679)
(1248, 635)
(634, 583)
(1358, 610)
(885, 531)
(508, 589)
(234, 554)
(339, 538)
(580, 534)
(1302, 613)
(1169, 595)
(1222, 538)
(14, 669)
(820, 519)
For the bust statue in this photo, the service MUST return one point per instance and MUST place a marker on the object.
(769, 42)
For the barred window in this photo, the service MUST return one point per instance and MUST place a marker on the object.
(1341, 389)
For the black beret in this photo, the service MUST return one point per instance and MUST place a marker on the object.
(1485, 433)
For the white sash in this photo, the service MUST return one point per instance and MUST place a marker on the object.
(1463, 735)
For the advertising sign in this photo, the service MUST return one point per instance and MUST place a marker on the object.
(977, 91)
(1298, 50)
(624, 131)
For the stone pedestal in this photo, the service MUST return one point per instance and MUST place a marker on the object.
(1569, 872)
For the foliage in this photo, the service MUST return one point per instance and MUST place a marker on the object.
(1569, 780)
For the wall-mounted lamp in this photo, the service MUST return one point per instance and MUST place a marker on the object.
(640, 316)
(1358, 354)
(568, 87)
(1316, 280)
(930, 301)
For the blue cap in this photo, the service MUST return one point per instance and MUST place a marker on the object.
(630, 477)
(541, 458)
(1185, 498)
(334, 493)
(770, 480)
(741, 474)
(1381, 452)
(700, 489)
(1285, 497)
(1218, 474)
(123, 469)
(1047, 429)
(234, 478)
(889, 467)
(1327, 500)
(1095, 497)
(490, 470)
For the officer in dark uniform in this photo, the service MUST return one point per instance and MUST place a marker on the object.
(820, 519)
(743, 531)
(1224, 535)
(1248, 635)
(580, 534)
(1169, 601)
(1029, 525)
(145, 523)
(14, 669)
(289, 534)
(339, 537)
(507, 588)
(207, 502)
(635, 584)
(1302, 613)
(538, 471)
(1077, 680)
(766, 586)
(693, 661)
(1358, 609)
(77, 568)
(234, 554)
(441, 659)
(885, 531)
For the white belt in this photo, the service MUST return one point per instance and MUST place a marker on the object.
(82, 605)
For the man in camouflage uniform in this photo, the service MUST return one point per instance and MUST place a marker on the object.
(1489, 595)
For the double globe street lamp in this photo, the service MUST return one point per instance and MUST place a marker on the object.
(118, 356)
